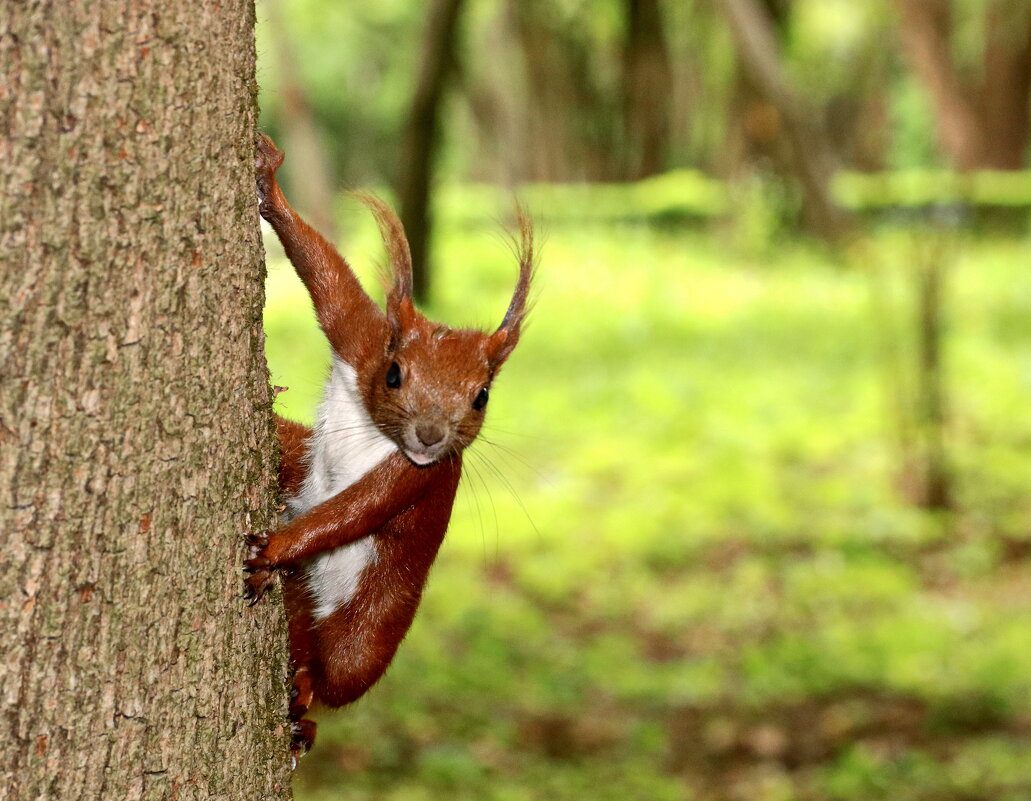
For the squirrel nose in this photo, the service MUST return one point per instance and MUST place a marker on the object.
(429, 433)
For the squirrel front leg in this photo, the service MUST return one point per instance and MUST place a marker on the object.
(392, 486)
(341, 305)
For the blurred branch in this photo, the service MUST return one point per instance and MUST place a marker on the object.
(980, 124)
(930, 284)
(812, 158)
(910, 336)
(926, 32)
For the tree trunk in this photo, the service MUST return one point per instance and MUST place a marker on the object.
(419, 144)
(551, 153)
(980, 124)
(136, 445)
(926, 32)
(1006, 86)
(647, 90)
(811, 156)
(572, 121)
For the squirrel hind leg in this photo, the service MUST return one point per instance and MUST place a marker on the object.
(302, 694)
(302, 738)
(302, 655)
(303, 646)
(348, 664)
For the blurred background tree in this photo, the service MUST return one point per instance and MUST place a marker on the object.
(616, 90)
(620, 89)
(980, 92)
(754, 521)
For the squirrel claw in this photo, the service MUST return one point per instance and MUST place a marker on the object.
(267, 159)
(302, 738)
(256, 584)
(257, 565)
(301, 694)
(256, 559)
(256, 540)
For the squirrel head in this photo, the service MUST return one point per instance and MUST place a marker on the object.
(430, 391)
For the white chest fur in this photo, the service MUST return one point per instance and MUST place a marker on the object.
(345, 445)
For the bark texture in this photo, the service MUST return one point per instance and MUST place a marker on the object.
(136, 444)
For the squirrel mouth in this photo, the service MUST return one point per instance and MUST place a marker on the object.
(421, 458)
(422, 453)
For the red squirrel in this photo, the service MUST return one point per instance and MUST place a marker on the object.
(368, 490)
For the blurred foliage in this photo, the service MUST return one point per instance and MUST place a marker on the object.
(359, 63)
(685, 561)
(690, 195)
(681, 565)
(358, 79)
(918, 188)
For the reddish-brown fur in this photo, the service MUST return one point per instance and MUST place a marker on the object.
(292, 447)
(404, 506)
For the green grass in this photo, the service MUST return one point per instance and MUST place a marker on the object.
(684, 567)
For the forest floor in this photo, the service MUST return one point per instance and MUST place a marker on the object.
(686, 561)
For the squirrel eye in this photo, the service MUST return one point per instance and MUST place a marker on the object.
(481, 399)
(394, 376)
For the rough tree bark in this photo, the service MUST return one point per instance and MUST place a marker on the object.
(136, 445)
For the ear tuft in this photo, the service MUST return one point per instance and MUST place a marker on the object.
(400, 258)
(502, 342)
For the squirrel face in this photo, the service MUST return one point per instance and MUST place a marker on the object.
(431, 389)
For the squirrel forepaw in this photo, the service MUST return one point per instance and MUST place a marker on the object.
(256, 544)
(267, 159)
(259, 568)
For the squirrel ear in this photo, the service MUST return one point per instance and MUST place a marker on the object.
(401, 314)
(503, 341)
(500, 344)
